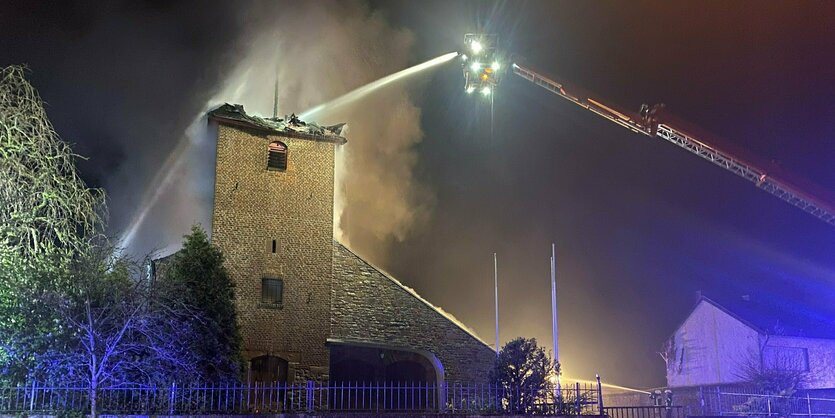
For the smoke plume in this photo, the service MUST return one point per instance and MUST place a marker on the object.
(322, 50)
(316, 51)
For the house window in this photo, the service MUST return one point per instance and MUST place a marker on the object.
(786, 358)
(277, 156)
(272, 291)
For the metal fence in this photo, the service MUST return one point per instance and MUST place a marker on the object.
(643, 411)
(742, 401)
(259, 398)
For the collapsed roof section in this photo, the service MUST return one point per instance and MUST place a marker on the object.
(234, 114)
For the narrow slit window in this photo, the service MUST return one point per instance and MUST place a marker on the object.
(274, 246)
(277, 156)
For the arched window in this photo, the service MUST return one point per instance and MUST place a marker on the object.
(277, 156)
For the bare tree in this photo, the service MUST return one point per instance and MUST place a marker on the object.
(117, 333)
(776, 375)
(780, 374)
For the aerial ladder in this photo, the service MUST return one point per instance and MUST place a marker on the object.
(653, 121)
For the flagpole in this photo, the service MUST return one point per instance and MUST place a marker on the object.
(496, 294)
(555, 331)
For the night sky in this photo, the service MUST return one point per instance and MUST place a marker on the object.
(640, 225)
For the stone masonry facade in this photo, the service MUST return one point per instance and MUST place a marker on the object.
(254, 206)
(369, 306)
(330, 295)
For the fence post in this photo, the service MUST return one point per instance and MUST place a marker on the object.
(577, 398)
(809, 404)
(599, 395)
(442, 394)
(32, 397)
(702, 399)
(309, 396)
(768, 403)
(171, 398)
(719, 400)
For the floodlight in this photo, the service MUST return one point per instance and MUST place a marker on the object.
(495, 66)
(476, 66)
(476, 46)
(486, 90)
(463, 57)
(470, 89)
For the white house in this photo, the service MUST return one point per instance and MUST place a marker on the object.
(716, 342)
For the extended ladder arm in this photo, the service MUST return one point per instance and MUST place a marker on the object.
(648, 123)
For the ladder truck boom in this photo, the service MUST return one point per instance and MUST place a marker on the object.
(651, 122)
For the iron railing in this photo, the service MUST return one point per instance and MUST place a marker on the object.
(643, 411)
(745, 401)
(260, 398)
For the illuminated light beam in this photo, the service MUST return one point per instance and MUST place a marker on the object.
(365, 90)
(607, 385)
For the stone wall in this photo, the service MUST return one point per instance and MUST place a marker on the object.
(252, 207)
(370, 306)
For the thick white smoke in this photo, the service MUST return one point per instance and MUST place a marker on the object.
(318, 51)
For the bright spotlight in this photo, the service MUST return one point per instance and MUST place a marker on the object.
(476, 47)
(476, 66)
(495, 66)
(470, 89)
(463, 57)
(485, 91)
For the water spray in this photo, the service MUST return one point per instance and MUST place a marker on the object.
(370, 87)
(165, 175)
(607, 385)
(159, 184)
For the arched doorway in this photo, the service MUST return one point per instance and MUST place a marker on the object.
(369, 377)
(268, 369)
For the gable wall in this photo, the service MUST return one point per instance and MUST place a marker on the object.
(711, 346)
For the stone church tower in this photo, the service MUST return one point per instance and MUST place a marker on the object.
(273, 220)
(309, 307)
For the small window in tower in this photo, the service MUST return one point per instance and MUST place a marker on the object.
(277, 156)
(272, 292)
(274, 246)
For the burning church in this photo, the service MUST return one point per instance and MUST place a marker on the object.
(309, 307)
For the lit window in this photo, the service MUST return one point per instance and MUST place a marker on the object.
(277, 156)
(272, 291)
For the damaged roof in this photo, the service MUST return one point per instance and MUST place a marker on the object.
(234, 114)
